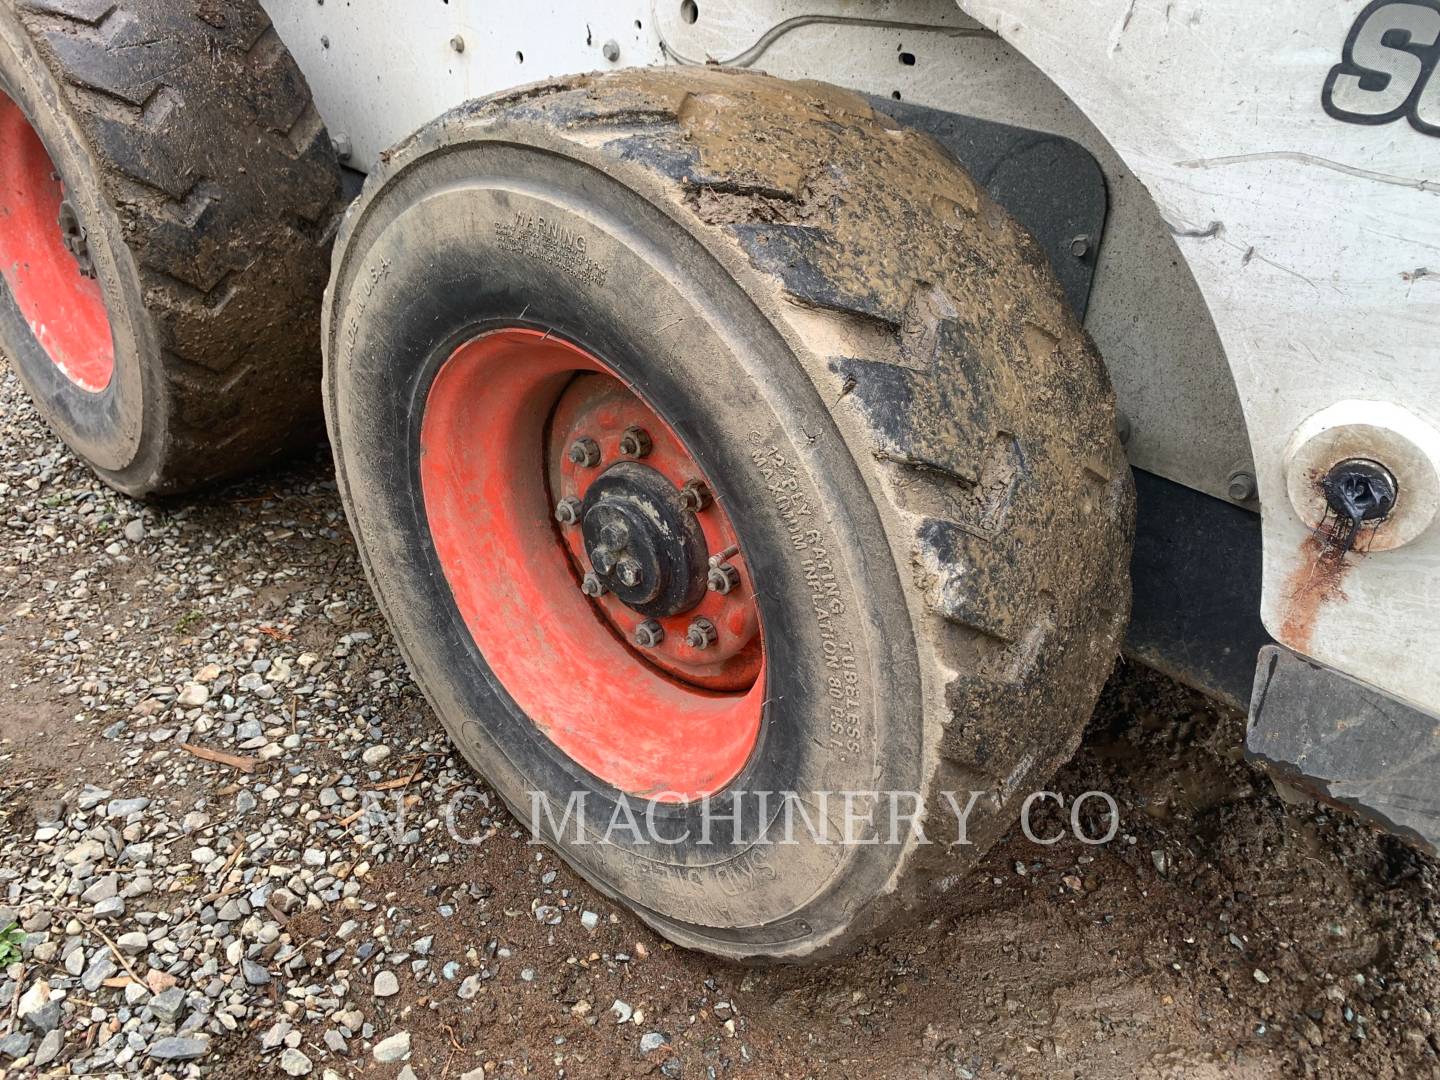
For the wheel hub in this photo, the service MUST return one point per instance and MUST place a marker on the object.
(652, 549)
(644, 547)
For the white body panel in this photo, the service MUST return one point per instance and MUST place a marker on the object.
(1309, 238)
(1312, 241)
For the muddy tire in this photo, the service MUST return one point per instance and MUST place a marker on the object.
(167, 327)
(875, 372)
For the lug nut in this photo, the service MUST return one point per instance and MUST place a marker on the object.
(694, 496)
(592, 586)
(629, 573)
(702, 634)
(567, 510)
(722, 579)
(635, 442)
(603, 559)
(585, 452)
(649, 634)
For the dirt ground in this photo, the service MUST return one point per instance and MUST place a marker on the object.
(1224, 932)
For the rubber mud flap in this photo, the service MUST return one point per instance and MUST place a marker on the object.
(201, 183)
(876, 370)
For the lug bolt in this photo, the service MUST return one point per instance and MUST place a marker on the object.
(649, 634)
(603, 559)
(702, 634)
(592, 586)
(694, 496)
(585, 452)
(567, 510)
(615, 534)
(722, 579)
(635, 442)
(629, 573)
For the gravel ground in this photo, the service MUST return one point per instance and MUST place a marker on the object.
(200, 698)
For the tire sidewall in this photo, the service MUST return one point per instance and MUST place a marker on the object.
(114, 429)
(424, 269)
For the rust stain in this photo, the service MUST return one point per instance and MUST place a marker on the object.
(1313, 584)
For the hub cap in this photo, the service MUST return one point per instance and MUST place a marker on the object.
(45, 258)
(599, 578)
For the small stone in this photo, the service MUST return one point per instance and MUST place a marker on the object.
(386, 985)
(16, 1044)
(100, 969)
(123, 808)
(374, 755)
(180, 1048)
(46, 1018)
(159, 981)
(589, 920)
(103, 889)
(651, 1041)
(112, 908)
(395, 1048)
(1261, 977)
(335, 1042)
(133, 943)
(286, 900)
(49, 1048)
(169, 1005)
(621, 1011)
(193, 695)
(254, 973)
(294, 1063)
(275, 1035)
(134, 530)
(34, 999)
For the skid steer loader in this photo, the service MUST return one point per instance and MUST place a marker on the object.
(738, 402)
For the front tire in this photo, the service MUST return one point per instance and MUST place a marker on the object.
(874, 371)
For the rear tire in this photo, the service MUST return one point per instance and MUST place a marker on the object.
(875, 370)
(187, 147)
